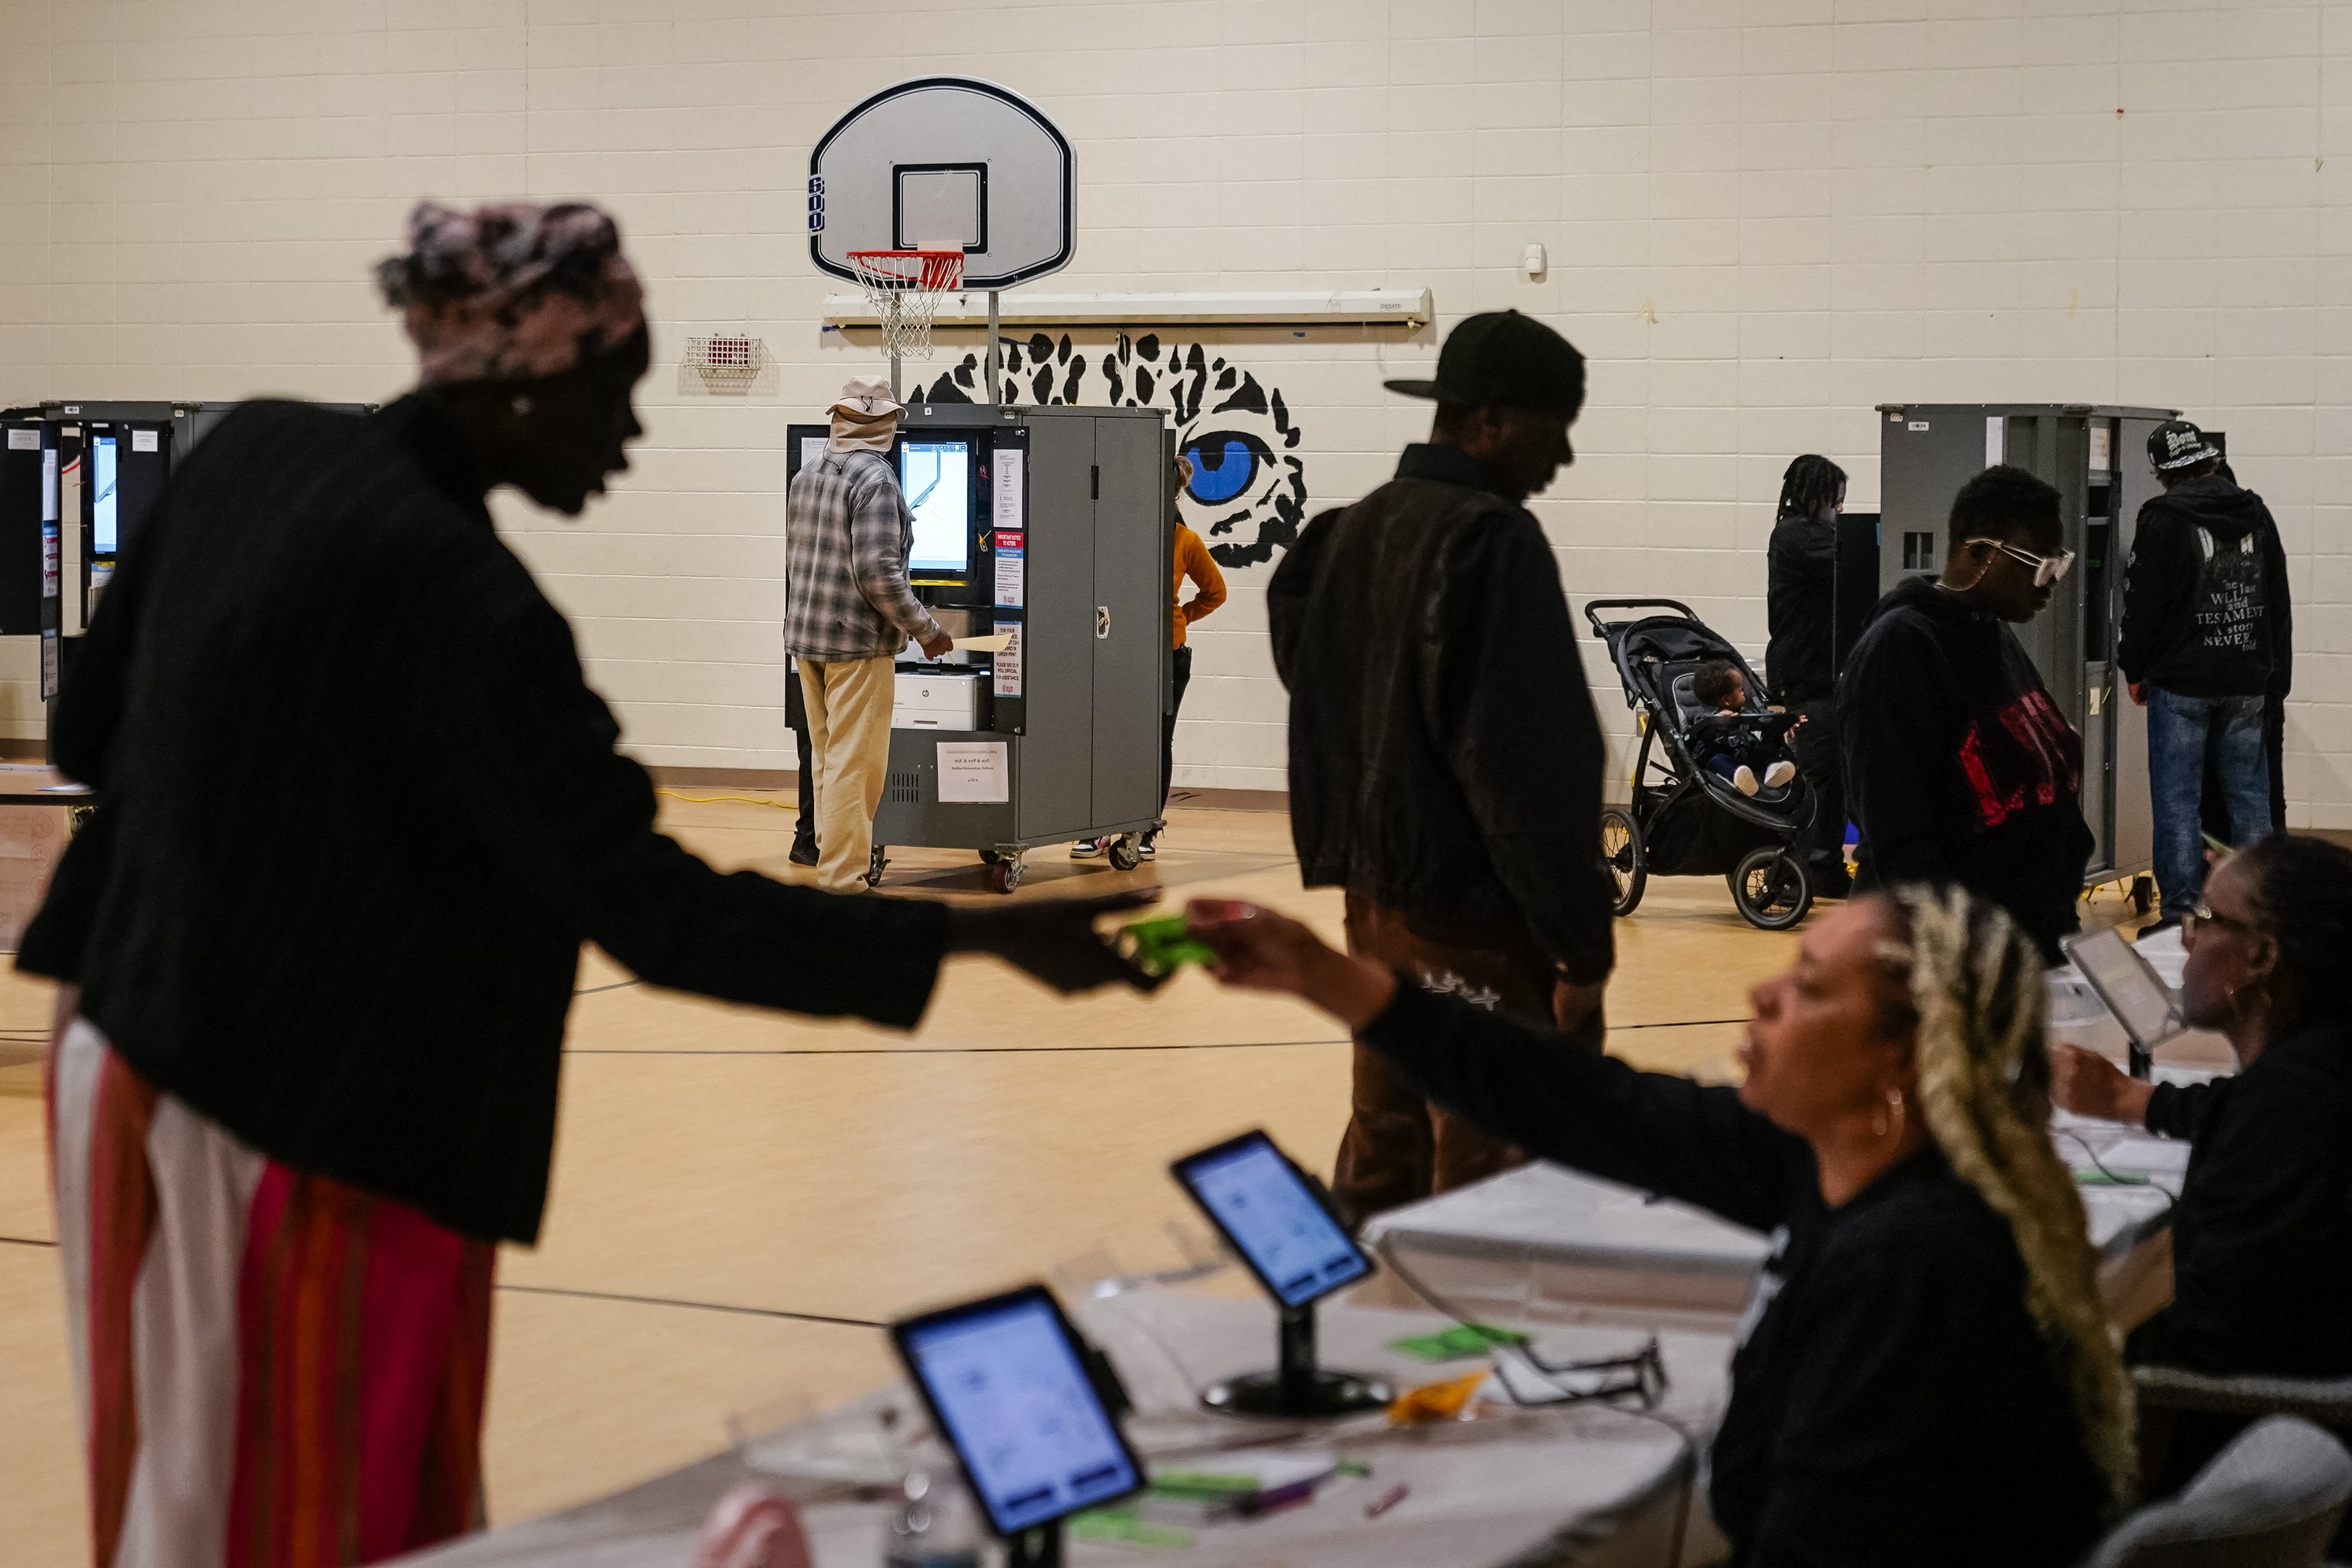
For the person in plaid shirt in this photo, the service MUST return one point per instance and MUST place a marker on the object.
(848, 611)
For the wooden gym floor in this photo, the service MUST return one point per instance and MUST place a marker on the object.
(739, 1198)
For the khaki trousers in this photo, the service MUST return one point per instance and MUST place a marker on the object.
(1400, 1147)
(848, 703)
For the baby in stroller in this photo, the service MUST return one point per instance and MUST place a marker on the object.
(1749, 750)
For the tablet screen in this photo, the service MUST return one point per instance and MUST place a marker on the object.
(1009, 1389)
(936, 476)
(1294, 1244)
(2130, 987)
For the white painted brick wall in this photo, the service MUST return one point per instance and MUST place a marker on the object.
(1763, 216)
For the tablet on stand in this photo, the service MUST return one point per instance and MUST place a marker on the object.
(1031, 1410)
(2131, 989)
(1280, 1223)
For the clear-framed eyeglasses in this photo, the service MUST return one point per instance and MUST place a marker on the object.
(2047, 569)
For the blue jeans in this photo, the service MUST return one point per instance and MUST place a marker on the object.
(2178, 727)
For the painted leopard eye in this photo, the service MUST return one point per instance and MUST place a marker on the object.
(1226, 463)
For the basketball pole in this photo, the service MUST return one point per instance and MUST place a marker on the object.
(995, 383)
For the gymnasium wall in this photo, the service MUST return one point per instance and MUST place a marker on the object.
(1761, 220)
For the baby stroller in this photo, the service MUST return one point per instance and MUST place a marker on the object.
(1686, 821)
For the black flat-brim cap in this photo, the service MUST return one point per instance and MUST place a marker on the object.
(1504, 360)
(2178, 443)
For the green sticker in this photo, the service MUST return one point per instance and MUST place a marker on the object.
(1456, 1344)
(1121, 1527)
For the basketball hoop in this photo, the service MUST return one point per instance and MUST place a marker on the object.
(905, 288)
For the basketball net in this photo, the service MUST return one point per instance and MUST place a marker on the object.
(904, 288)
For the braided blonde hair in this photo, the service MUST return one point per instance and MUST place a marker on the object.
(1983, 1061)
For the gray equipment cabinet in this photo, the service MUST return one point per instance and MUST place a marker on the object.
(1071, 550)
(2096, 456)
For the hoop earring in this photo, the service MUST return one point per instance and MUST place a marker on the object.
(1885, 1125)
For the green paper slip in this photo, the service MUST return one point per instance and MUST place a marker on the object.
(1166, 944)
(1456, 1344)
(1119, 1527)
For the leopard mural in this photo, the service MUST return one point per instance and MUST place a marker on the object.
(1247, 495)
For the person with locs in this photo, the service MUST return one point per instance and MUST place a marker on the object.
(1801, 606)
(2207, 638)
(358, 810)
(849, 612)
(1960, 768)
(1445, 757)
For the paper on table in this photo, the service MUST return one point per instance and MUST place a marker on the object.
(996, 644)
(2155, 1156)
(976, 773)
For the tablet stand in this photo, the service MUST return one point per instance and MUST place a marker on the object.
(1297, 1386)
(1039, 1546)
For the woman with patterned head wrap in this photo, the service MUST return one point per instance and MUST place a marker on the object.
(358, 811)
(1923, 1375)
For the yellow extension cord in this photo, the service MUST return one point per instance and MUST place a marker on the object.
(737, 799)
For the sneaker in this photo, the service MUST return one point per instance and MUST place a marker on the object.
(803, 852)
(2158, 929)
(1148, 849)
(1779, 773)
(1744, 780)
(1089, 849)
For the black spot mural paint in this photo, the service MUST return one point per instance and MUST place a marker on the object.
(1248, 493)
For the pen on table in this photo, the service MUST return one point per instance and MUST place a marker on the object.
(1386, 1500)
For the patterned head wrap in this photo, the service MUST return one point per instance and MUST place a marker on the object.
(510, 292)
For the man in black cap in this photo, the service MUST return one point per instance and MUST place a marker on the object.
(1444, 758)
(2206, 638)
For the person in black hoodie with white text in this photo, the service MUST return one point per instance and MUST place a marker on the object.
(1959, 767)
(2206, 636)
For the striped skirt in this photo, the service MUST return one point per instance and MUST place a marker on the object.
(274, 1369)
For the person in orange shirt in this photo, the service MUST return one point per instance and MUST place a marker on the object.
(1194, 561)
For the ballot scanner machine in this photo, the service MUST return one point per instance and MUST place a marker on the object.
(1052, 530)
(2096, 456)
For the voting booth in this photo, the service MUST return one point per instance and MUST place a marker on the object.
(1044, 537)
(77, 483)
(2096, 458)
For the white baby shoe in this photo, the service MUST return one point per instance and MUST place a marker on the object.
(1779, 773)
(1744, 780)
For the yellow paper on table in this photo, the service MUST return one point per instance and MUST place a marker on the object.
(1435, 1401)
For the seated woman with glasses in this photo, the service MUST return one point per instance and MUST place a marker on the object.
(2262, 1238)
(1924, 1374)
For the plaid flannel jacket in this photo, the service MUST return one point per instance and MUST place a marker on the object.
(847, 535)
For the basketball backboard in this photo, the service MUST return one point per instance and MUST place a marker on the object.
(942, 164)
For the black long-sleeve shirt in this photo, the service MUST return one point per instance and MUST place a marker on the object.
(1958, 765)
(1444, 758)
(1892, 1400)
(2262, 1237)
(1801, 607)
(361, 809)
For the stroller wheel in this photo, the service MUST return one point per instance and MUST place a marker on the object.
(1629, 868)
(1771, 890)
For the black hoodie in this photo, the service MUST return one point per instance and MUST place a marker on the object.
(2205, 605)
(1958, 766)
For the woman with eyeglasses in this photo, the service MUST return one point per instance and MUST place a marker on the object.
(1924, 1375)
(2262, 1237)
(1959, 767)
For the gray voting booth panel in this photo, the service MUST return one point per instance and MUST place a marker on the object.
(1083, 740)
(2096, 456)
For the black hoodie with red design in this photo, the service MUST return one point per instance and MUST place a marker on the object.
(1958, 765)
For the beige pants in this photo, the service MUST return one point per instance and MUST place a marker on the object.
(848, 706)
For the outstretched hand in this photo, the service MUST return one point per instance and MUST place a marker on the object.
(1263, 950)
(1054, 939)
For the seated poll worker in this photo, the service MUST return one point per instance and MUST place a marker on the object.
(1958, 765)
(1924, 1374)
(2262, 1237)
(359, 810)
